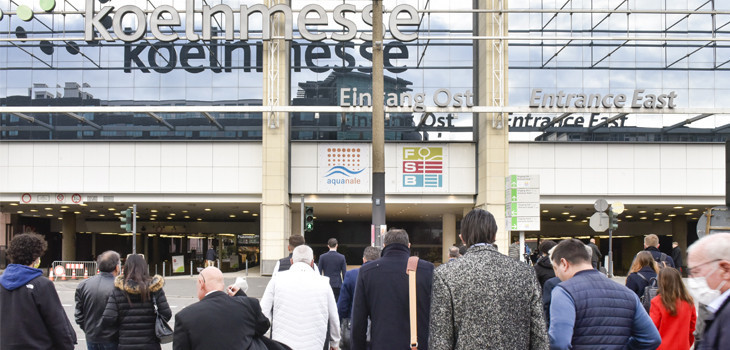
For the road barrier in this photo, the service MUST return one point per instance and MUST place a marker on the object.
(71, 269)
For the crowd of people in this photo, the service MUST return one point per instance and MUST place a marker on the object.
(479, 299)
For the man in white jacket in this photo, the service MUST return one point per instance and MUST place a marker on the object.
(299, 303)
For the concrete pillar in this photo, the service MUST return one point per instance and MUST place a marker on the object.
(449, 236)
(275, 212)
(679, 235)
(492, 143)
(93, 245)
(4, 220)
(68, 248)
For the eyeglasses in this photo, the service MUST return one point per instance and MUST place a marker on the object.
(692, 270)
(203, 277)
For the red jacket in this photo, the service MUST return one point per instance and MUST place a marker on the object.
(676, 331)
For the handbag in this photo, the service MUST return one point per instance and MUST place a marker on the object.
(163, 331)
(345, 333)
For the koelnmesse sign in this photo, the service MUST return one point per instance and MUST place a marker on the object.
(164, 18)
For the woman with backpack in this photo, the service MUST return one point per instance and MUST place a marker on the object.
(641, 273)
(131, 309)
(673, 312)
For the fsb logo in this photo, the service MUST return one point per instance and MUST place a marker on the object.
(423, 166)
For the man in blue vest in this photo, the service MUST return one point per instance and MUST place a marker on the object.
(588, 309)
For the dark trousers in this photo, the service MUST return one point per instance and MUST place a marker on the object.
(101, 346)
(336, 292)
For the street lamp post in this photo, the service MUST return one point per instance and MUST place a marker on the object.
(378, 123)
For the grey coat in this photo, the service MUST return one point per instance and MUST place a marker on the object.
(486, 300)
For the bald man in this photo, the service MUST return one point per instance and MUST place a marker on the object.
(218, 320)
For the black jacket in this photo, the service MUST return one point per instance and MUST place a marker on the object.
(636, 283)
(544, 270)
(31, 314)
(91, 298)
(677, 257)
(596, 255)
(136, 320)
(332, 264)
(219, 322)
(381, 293)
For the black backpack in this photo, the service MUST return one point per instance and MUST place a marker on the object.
(650, 292)
(662, 262)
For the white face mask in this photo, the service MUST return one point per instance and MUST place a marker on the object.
(701, 291)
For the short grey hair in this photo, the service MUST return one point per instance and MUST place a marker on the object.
(371, 253)
(302, 253)
(714, 246)
(454, 252)
(396, 235)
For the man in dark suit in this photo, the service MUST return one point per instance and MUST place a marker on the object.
(381, 294)
(595, 253)
(218, 321)
(332, 264)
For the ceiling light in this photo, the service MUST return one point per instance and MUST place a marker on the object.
(656, 219)
(153, 215)
(13, 204)
(153, 219)
(83, 204)
(553, 219)
(569, 220)
(63, 210)
(642, 211)
(77, 212)
(584, 221)
(545, 211)
(667, 220)
(153, 211)
(629, 216)
(687, 213)
(694, 209)
(231, 216)
(678, 207)
(20, 212)
(118, 214)
(199, 219)
(207, 209)
(565, 213)
(172, 214)
(658, 213)
(672, 215)
(245, 212)
(695, 218)
(254, 214)
(49, 214)
(643, 218)
(34, 210)
(187, 216)
(184, 211)
(48, 208)
(169, 218)
(112, 209)
(93, 210)
(60, 218)
(339, 220)
(572, 216)
(64, 207)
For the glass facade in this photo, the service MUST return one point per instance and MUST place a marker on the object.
(46, 62)
(654, 46)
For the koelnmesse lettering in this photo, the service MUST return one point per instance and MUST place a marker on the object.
(163, 20)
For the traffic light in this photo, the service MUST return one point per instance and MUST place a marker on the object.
(126, 218)
(613, 219)
(308, 219)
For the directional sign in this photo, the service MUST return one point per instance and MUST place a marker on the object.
(719, 221)
(599, 221)
(531, 195)
(523, 209)
(523, 181)
(529, 223)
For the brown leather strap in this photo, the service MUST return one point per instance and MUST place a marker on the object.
(411, 271)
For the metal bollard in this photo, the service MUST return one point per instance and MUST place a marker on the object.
(246, 268)
(156, 273)
(163, 269)
(191, 269)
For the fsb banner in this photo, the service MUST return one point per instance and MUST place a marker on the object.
(422, 168)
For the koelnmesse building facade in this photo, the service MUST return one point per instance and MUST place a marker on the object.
(221, 121)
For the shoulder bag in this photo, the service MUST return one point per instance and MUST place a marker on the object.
(163, 331)
(411, 271)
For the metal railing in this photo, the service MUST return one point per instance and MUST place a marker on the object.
(72, 270)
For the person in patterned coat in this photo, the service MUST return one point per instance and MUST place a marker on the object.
(485, 300)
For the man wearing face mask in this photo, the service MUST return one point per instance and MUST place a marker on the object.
(708, 265)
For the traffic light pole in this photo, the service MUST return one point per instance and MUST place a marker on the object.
(610, 252)
(302, 220)
(378, 123)
(134, 229)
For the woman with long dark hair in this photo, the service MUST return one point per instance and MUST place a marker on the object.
(642, 270)
(673, 312)
(130, 306)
